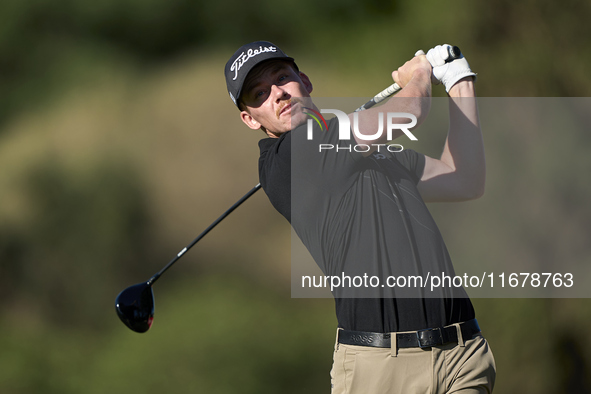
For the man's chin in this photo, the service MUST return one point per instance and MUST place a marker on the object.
(298, 119)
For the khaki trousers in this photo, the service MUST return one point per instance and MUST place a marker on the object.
(451, 368)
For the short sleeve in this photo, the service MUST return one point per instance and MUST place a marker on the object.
(274, 172)
(413, 161)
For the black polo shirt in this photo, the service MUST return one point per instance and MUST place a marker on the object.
(361, 215)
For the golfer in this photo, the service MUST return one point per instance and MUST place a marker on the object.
(360, 209)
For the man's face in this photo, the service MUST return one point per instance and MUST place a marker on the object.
(267, 96)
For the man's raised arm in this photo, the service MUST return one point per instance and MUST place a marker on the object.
(459, 174)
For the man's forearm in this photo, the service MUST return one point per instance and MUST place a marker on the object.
(464, 146)
(464, 88)
(415, 97)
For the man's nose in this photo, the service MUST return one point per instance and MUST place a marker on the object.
(278, 92)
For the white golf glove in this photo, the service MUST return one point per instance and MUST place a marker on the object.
(447, 73)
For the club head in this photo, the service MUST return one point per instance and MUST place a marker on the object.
(135, 307)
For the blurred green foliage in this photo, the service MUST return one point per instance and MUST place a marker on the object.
(243, 339)
(533, 48)
(87, 231)
(105, 109)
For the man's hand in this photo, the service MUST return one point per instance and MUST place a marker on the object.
(448, 73)
(418, 64)
(414, 77)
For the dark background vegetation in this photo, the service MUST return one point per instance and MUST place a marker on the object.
(118, 144)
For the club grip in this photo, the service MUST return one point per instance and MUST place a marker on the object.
(454, 52)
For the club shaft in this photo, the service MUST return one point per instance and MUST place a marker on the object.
(207, 230)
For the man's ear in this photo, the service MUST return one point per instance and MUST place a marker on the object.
(249, 120)
(306, 82)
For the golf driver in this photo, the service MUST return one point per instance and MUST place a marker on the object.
(135, 305)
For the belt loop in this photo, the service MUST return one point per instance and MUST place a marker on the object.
(460, 337)
(336, 341)
(393, 345)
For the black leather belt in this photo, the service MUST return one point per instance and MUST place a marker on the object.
(422, 338)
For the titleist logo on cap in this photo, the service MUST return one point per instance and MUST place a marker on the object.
(243, 58)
